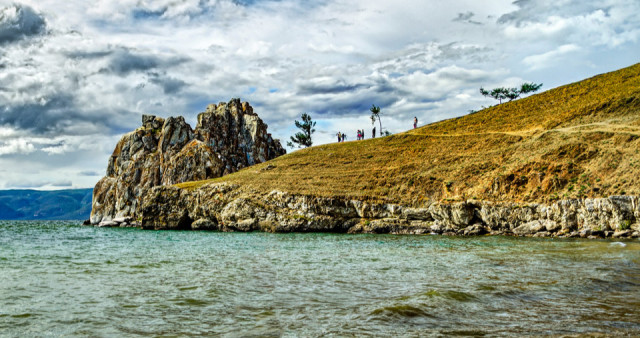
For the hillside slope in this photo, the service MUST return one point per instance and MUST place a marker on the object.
(575, 141)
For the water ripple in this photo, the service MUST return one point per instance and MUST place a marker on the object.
(62, 279)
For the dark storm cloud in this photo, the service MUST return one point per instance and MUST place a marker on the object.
(354, 105)
(39, 117)
(169, 85)
(124, 61)
(58, 114)
(18, 22)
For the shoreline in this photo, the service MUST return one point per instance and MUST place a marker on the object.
(227, 207)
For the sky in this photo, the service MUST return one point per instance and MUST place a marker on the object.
(76, 75)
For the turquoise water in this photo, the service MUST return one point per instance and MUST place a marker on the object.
(62, 279)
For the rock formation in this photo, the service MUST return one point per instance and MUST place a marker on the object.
(229, 207)
(228, 137)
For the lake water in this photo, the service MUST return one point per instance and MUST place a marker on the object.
(62, 279)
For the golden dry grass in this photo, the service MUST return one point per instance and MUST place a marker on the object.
(578, 140)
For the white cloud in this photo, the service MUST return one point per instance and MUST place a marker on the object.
(544, 60)
(6, 132)
(70, 91)
(16, 146)
(607, 22)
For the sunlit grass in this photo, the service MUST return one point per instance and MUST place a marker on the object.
(578, 140)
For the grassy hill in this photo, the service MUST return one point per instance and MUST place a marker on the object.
(578, 140)
(70, 204)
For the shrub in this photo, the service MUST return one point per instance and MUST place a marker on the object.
(625, 224)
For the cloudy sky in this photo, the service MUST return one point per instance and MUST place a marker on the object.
(75, 75)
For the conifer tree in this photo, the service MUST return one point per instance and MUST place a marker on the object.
(303, 138)
(502, 93)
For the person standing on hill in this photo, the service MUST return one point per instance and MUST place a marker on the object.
(415, 122)
(373, 132)
(339, 137)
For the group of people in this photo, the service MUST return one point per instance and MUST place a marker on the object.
(360, 133)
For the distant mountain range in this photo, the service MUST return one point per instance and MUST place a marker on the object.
(45, 205)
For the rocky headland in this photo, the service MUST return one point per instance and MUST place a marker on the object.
(563, 163)
(228, 137)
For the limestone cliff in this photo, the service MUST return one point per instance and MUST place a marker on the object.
(230, 207)
(228, 137)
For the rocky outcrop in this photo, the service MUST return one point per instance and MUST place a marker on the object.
(228, 207)
(228, 137)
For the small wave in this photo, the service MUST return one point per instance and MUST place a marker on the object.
(452, 295)
(190, 302)
(408, 311)
(466, 333)
(22, 315)
(618, 244)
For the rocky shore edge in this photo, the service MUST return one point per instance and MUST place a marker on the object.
(229, 207)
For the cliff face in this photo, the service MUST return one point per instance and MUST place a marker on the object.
(230, 207)
(228, 137)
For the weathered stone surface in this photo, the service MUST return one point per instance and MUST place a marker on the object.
(229, 136)
(204, 224)
(475, 230)
(230, 208)
(108, 224)
(529, 228)
(238, 134)
(422, 214)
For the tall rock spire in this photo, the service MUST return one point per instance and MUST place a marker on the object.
(228, 137)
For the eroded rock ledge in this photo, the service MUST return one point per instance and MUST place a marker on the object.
(228, 207)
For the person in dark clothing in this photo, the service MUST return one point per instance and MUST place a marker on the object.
(373, 132)
(415, 122)
(339, 137)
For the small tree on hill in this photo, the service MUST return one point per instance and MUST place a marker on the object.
(303, 139)
(527, 88)
(502, 93)
(375, 114)
(497, 93)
